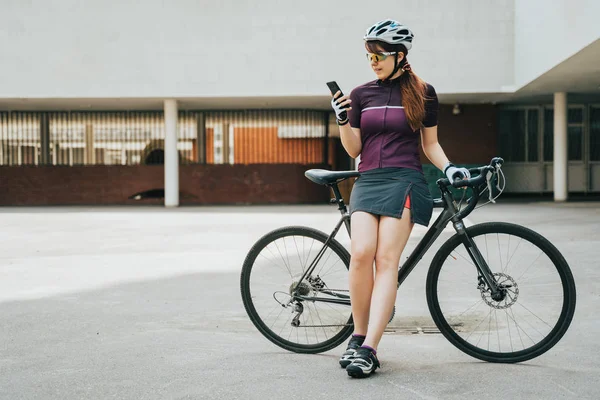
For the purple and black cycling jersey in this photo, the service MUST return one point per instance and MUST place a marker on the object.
(387, 138)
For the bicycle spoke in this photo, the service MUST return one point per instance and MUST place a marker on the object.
(535, 315)
(320, 320)
(519, 278)
(469, 308)
(286, 266)
(312, 320)
(497, 330)
(465, 258)
(499, 252)
(325, 262)
(306, 334)
(477, 326)
(489, 329)
(276, 307)
(523, 330)
(272, 262)
(509, 333)
(330, 307)
(548, 274)
(286, 253)
(470, 262)
(289, 318)
(299, 258)
(330, 268)
(309, 251)
(283, 259)
(274, 275)
(507, 255)
(483, 332)
(511, 257)
(532, 294)
(487, 253)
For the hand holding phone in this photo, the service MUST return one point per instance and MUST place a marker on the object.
(339, 106)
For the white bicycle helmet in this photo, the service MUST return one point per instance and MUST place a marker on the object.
(390, 31)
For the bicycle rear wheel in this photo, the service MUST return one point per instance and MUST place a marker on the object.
(271, 275)
(538, 302)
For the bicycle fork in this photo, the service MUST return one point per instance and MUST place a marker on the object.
(483, 268)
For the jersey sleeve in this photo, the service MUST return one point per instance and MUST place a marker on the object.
(354, 114)
(431, 107)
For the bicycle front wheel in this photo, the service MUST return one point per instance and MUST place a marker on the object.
(537, 302)
(309, 315)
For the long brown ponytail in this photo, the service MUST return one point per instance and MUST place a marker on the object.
(412, 87)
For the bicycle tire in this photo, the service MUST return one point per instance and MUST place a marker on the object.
(562, 268)
(249, 262)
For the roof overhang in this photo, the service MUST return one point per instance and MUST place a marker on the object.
(578, 75)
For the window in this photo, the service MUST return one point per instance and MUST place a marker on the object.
(595, 134)
(575, 142)
(574, 134)
(548, 135)
(532, 135)
(519, 133)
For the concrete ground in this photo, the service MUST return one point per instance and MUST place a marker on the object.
(144, 303)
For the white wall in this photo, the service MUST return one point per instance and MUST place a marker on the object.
(205, 48)
(548, 32)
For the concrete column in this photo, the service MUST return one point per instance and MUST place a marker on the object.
(201, 139)
(225, 149)
(90, 151)
(171, 155)
(561, 165)
(45, 140)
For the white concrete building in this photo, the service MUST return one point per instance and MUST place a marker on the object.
(536, 62)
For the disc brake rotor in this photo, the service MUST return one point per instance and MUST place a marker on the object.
(509, 288)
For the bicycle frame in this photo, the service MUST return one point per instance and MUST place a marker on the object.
(450, 213)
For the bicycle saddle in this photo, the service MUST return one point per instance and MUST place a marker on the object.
(326, 177)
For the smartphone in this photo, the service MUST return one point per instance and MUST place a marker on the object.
(334, 87)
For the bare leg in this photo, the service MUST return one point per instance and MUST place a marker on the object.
(362, 249)
(392, 237)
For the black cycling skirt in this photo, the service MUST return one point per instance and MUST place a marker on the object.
(383, 191)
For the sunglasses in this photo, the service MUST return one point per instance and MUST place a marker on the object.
(376, 57)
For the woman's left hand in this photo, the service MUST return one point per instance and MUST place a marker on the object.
(453, 173)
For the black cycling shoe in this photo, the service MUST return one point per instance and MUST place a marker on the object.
(365, 362)
(353, 345)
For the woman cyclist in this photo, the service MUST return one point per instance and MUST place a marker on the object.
(384, 119)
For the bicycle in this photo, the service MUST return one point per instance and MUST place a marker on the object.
(477, 295)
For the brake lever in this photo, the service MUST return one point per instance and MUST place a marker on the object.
(488, 178)
(498, 167)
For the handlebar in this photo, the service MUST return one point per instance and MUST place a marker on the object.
(481, 175)
(474, 183)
